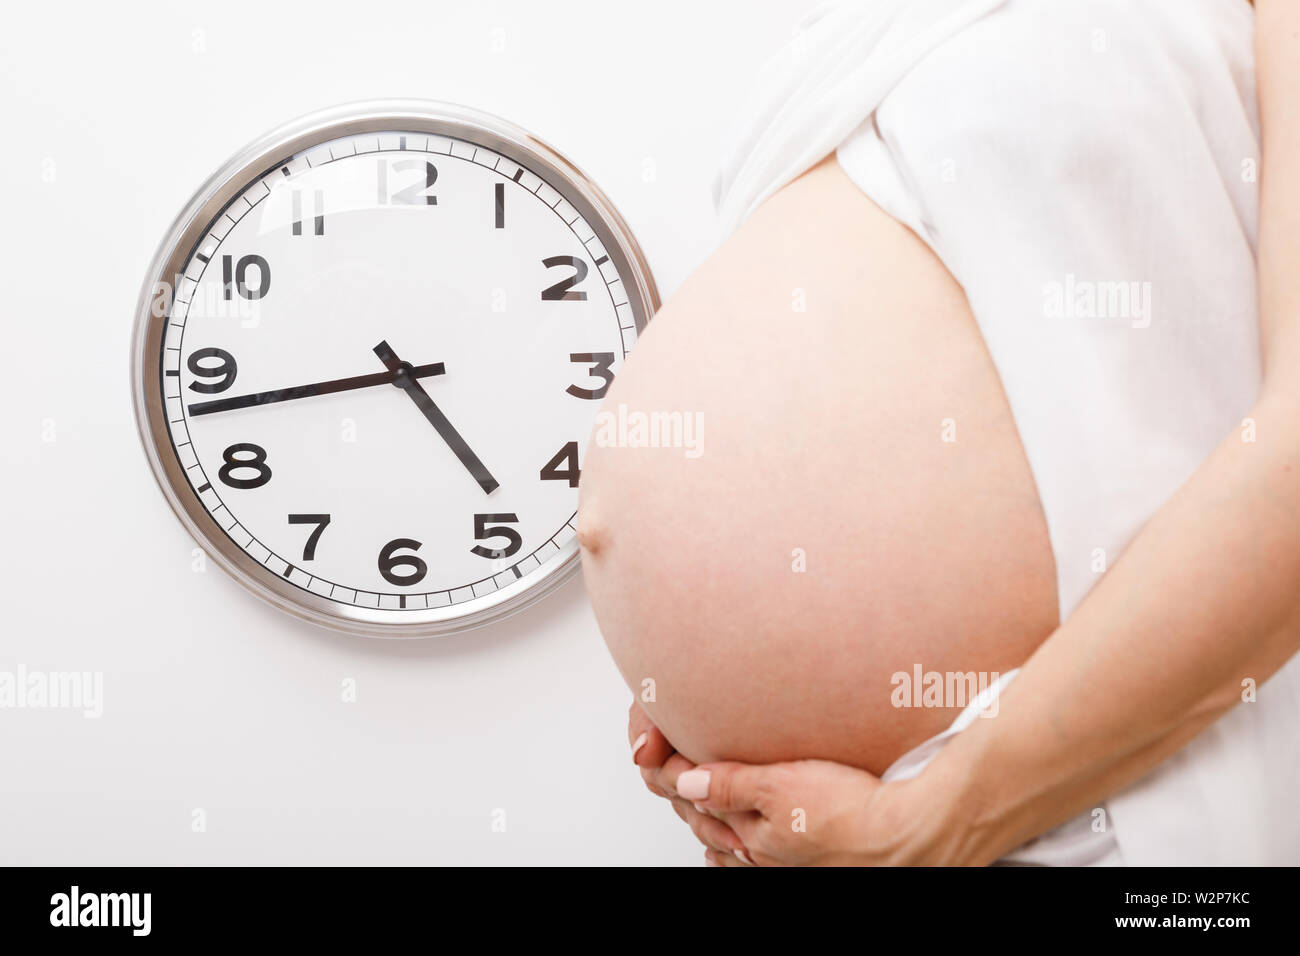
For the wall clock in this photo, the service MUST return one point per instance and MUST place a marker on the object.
(367, 358)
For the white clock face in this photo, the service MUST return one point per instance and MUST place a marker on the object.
(381, 367)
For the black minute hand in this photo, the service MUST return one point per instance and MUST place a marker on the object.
(437, 419)
(306, 391)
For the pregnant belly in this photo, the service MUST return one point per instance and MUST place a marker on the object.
(849, 500)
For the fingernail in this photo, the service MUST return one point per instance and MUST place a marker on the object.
(701, 808)
(743, 857)
(694, 785)
(709, 861)
(638, 744)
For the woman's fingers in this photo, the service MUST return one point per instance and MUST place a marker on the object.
(666, 776)
(710, 831)
(660, 780)
(661, 769)
(728, 787)
(651, 778)
(714, 858)
(650, 748)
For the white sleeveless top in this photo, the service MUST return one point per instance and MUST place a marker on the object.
(1086, 169)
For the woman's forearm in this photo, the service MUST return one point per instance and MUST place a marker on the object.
(1205, 598)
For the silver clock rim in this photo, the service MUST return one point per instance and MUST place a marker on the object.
(253, 161)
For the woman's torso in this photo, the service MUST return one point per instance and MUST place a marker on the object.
(1085, 148)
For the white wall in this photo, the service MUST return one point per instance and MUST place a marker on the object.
(213, 700)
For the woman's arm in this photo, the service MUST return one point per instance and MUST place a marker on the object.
(1206, 596)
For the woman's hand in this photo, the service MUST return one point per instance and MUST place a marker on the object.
(804, 813)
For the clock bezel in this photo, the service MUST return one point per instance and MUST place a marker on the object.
(237, 174)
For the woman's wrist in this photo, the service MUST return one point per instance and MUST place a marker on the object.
(941, 817)
(914, 822)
